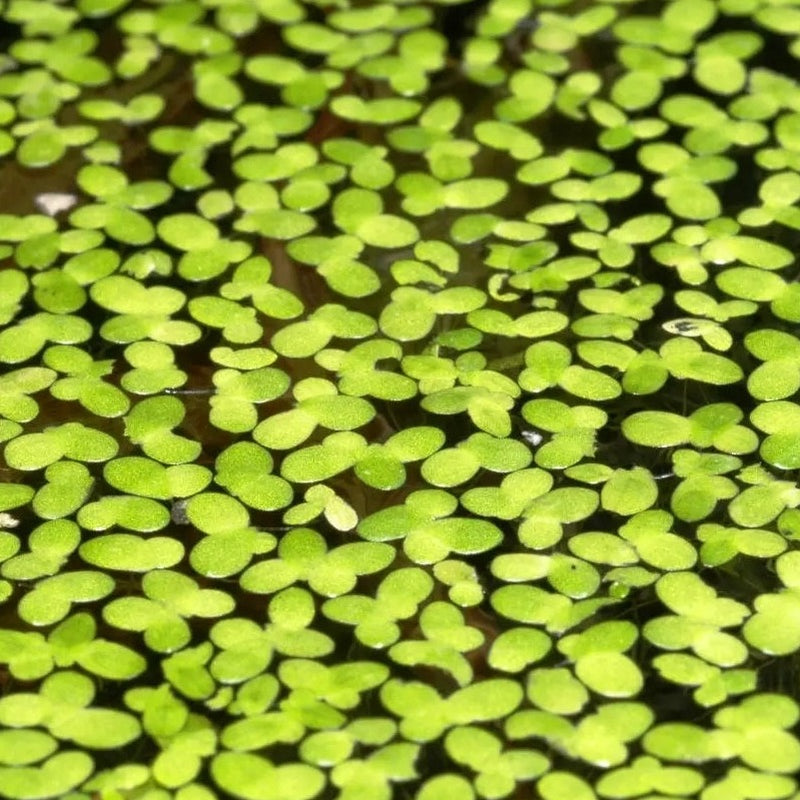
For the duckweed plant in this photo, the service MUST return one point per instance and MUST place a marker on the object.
(399, 400)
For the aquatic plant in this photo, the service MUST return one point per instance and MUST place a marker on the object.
(399, 400)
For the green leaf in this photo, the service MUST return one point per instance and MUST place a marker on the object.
(72, 439)
(610, 674)
(51, 599)
(129, 553)
(628, 492)
(58, 775)
(657, 428)
(242, 469)
(255, 778)
(188, 232)
(149, 424)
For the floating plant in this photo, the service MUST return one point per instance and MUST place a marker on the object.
(399, 400)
